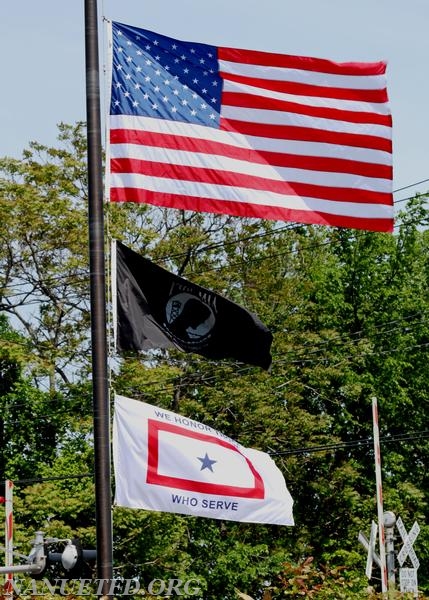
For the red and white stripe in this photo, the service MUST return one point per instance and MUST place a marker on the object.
(378, 481)
(300, 139)
(8, 586)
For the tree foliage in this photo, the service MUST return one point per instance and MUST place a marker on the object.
(349, 314)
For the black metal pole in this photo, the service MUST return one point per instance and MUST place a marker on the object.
(102, 473)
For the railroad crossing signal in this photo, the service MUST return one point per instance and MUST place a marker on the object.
(76, 561)
(370, 547)
(408, 577)
(408, 540)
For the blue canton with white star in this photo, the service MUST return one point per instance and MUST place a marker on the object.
(157, 76)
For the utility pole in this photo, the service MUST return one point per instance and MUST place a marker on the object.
(379, 486)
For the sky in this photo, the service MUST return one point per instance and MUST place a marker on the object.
(43, 58)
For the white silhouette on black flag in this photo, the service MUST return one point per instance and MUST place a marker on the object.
(158, 309)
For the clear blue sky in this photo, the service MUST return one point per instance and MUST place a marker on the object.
(43, 56)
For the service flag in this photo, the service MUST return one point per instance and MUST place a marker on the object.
(249, 133)
(158, 309)
(170, 463)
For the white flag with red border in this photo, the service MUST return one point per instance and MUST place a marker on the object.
(167, 462)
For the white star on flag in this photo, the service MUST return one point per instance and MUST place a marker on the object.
(248, 133)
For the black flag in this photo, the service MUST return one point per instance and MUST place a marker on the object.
(157, 309)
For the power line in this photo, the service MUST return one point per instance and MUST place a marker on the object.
(214, 378)
(301, 354)
(402, 437)
(406, 187)
(274, 231)
(288, 227)
(353, 444)
(46, 479)
(221, 267)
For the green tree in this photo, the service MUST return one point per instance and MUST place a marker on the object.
(348, 311)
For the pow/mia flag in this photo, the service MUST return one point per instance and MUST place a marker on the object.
(157, 309)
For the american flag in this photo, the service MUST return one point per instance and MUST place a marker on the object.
(248, 133)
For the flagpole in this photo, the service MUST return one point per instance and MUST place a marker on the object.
(98, 305)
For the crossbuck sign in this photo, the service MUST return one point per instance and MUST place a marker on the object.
(369, 546)
(408, 540)
(408, 577)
